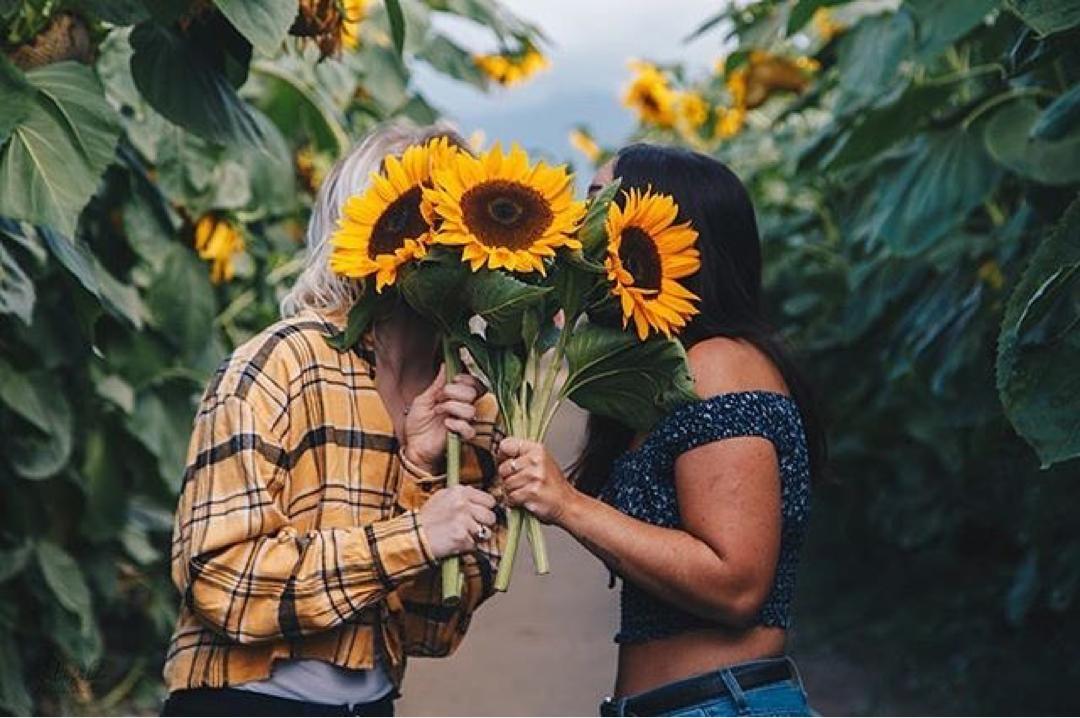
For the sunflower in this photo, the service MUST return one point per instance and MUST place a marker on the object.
(650, 95)
(218, 241)
(692, 110)
(353, 13)
(509, 70)
(385, 227)
(729, 122)
(647, 253)
(503, 211)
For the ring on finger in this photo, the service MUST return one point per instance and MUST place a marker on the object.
(483, 533)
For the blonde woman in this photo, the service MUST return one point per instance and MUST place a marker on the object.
(313, 514)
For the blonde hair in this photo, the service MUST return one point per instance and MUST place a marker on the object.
(317, 287)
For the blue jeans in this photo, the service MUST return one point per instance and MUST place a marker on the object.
(784, 697)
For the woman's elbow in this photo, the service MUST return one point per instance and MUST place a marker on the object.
(736, 600)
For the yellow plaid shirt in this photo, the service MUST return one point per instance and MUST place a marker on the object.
(297, 533)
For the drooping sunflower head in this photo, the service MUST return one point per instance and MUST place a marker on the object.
(505, 212)
(648, 252)
(513, 68)
(385, 226)
(650, 95)
(331, 24)
(218, 241)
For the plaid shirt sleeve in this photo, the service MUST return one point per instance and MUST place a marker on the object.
(431, 628)
(249, 575)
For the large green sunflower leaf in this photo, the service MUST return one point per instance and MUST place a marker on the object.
(1039, 346)
(263, 23)
(181, 301)
(501, 300)
(435, 286)
(946, 175)
(1046, 16)
(614, 374)
(178, 81)
(16, 97)
(55, 156)
(44, 447)
(16, 289)
(593, 236)
(1010, 140)
(868, 58)
(942, 23)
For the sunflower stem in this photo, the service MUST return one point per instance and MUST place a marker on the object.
(513, 537)
(451, 566)
(539, 547)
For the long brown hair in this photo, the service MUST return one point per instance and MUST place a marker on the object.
(713, 199)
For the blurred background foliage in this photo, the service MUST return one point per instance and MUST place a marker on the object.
(915, 165)
(158, 159)
(915, 168)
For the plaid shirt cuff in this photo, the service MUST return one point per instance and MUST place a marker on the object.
(423, 479)
(399, 548)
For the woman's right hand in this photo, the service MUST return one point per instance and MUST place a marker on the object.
(454, 518)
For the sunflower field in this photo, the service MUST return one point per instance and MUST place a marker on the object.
(915, 166)
(158, 160)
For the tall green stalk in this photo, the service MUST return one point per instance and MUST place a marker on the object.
(452, 578)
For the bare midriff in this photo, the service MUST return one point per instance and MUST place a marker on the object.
(644, 666)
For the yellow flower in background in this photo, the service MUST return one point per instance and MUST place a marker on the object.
(385, 227)
(765, 73)
(353, 13)
(729, 122)
(692, 110)
(218, 241)
(504, 212)
(825, 25)
(650, 95)
(509, 70)
(736, 87)
(647, 254)
(585, 144)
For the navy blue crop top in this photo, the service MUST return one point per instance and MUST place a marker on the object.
(642, 485)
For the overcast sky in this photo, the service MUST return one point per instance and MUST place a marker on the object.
(591, 42)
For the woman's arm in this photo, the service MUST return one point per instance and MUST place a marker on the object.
(721, 564)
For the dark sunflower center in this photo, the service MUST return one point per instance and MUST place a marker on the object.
(399, 221)
(649, 101)
(641, 258)
(506, 214)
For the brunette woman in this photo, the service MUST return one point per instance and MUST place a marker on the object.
(702, 517)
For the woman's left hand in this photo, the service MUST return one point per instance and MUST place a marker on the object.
(533, 480)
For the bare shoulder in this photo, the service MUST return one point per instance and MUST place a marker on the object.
(722, 366)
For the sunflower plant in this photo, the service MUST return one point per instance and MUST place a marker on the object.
(551, 297)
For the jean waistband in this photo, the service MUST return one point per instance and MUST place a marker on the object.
(707, 686)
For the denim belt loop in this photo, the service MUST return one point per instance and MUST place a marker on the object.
(795, 675)
(736, 691)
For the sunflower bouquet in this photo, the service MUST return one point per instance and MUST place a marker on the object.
(551, 297)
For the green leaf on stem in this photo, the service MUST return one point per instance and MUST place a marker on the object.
(359, 320)
(397, 24)
(614, 374)
(1011, 140)
(264, 24)
(1039, 346)
(593, 235)
(501, 300)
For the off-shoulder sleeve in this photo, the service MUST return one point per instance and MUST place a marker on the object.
(767, 415)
